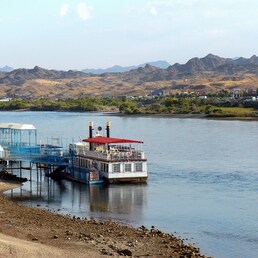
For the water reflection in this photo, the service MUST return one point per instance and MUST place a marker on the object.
(121, 202)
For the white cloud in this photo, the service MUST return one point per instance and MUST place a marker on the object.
(84, 11)
(64, 10)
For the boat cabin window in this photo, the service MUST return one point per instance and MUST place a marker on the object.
(116, 168)
(138, 167)
(128, 167)
(81, 162)
(104, 167)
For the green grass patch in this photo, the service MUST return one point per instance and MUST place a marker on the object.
(236, 112)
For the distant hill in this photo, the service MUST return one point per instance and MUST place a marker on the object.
(19, 76)
(207, 74)
(6, 69)
(122, 69)
(207, 66)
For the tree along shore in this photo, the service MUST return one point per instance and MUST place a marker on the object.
(216, 108)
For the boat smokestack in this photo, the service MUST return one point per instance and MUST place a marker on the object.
(90, 129)
(108, 128)
(91, 133)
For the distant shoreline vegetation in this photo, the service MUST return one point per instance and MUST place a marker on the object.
(157, 105)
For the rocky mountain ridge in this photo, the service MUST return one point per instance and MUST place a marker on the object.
(206, 66)
(209, 65)
(19, 76)
(207, 74)
(121, 69)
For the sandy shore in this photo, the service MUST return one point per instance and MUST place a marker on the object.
(31, 232)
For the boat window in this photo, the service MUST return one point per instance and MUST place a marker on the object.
(128, 167)
(76, 162)
(138, 167)
(116, 168)
(104, 167)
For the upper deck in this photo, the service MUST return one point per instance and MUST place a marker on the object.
(111, 153)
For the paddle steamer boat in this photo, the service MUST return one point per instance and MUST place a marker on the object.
(100, 159)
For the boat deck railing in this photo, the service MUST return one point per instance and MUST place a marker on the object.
(36, 154)
(110, 155)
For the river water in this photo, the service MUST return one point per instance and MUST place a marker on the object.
(203, 178)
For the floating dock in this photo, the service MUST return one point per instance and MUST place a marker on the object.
(19, 150)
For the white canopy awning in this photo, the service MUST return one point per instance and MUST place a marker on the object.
(17, 126)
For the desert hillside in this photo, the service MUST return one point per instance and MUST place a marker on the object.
(200, 75)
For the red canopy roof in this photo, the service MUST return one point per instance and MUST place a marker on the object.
(108, 140)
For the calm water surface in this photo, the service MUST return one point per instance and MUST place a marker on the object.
(203, 178)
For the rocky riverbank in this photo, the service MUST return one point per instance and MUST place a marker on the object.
(33, 232)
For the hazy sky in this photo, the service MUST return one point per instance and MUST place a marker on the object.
(71, 34)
